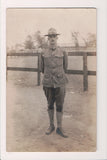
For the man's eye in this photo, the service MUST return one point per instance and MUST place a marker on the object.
(53, 36)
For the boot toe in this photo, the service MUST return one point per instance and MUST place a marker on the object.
(50, 130)
(60, 132)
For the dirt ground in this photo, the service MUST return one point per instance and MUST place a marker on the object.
(27, 118)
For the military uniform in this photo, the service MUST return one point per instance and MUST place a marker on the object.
(53, 66)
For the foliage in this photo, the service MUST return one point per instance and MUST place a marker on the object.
(29, 43)
(91, 40)
(40, 40)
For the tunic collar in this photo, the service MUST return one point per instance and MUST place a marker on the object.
(53, 48)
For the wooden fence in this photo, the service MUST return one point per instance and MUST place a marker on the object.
(83, 72)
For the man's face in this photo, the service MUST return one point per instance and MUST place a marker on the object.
(52, 39)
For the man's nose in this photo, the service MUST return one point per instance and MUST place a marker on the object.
(53, 38)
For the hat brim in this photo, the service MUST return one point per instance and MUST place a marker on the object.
(51, 34)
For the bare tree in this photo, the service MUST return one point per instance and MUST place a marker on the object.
(75, 38)
(90, 41)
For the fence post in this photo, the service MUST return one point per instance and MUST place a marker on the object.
(6, 66)
(38, 73)
(85, 72)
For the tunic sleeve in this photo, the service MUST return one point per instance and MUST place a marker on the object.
(41, 63)
(65, 62)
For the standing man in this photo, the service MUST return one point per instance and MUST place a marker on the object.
(54, 66)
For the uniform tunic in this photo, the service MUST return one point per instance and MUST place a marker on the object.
(53, 66)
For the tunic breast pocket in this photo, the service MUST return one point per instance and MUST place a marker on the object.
(46, 79)
(58, 60)
(60, 75)
(61, 78)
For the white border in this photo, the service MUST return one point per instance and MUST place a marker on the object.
(101, 6)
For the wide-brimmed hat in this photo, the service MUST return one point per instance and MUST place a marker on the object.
(52, 31)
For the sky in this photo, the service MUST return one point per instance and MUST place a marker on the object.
(23, 22)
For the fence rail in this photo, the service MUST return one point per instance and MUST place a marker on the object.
(83, 72)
